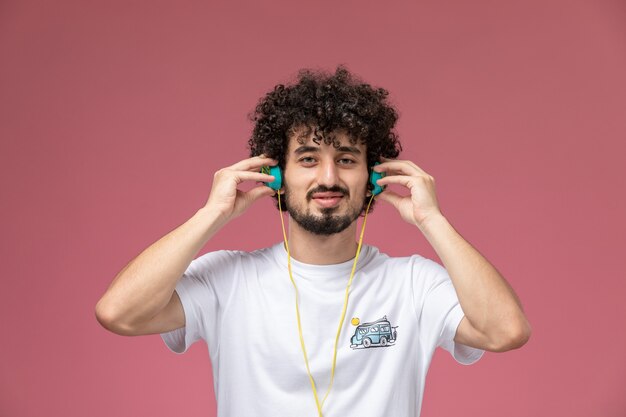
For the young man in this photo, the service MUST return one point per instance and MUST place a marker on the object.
(274, 319)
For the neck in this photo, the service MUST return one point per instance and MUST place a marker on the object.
(309, 248)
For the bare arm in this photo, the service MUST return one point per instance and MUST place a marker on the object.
(141, 299)
(494, 319)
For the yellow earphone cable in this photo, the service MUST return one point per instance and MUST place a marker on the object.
(343, 313)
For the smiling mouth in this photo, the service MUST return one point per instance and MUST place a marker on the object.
(327, 199)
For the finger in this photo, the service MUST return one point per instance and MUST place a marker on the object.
(258, 192)
(392, 166)
(420, 181)
(404, 180)
(390, 197)
(253, 164)
(241, 176)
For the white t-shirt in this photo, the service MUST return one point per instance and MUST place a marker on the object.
(243, 305)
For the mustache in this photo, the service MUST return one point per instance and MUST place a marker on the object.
(324, 189)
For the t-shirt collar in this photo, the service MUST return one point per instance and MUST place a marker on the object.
(340, 271)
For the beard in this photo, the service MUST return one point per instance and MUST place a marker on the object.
(326, 223)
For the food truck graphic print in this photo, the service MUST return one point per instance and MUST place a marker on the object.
(377, 333)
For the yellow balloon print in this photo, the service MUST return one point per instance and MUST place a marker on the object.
(355, 321)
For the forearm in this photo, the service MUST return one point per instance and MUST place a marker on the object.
(488, 301)
(144, 287)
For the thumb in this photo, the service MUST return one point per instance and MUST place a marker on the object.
(259, 192)
(390, 197)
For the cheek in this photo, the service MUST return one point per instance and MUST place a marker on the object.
(363, 186)
(293, 192)
(298, 178)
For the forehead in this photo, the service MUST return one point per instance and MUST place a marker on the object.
(340, 143)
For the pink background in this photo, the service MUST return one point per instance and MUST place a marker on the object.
(114, 116)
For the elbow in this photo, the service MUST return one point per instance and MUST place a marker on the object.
(104, 316)
(109, 320)
(515, 336)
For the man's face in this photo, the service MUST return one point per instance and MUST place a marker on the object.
(325, 186)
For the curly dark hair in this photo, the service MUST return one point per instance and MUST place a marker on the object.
(323, 104)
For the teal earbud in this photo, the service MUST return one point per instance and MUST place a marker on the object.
(278, 178)
(375, 176)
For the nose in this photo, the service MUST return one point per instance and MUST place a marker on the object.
(327, 174)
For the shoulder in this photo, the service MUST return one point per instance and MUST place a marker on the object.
(377, 257)
(225, 258)
(420, 268)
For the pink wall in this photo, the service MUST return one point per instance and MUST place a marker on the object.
(114, 116)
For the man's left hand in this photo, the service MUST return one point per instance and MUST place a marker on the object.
(421, 204)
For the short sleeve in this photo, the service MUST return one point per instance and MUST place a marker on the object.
(203, 291)
(439, 311)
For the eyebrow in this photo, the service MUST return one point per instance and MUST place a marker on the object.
(343, 149)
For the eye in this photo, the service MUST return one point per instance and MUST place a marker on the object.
(307, 160)
(346, 161)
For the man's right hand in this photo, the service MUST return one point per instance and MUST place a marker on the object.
(226, 199)
(142, 298)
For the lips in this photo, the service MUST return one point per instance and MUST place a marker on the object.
(328, 195)
(327, 199)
